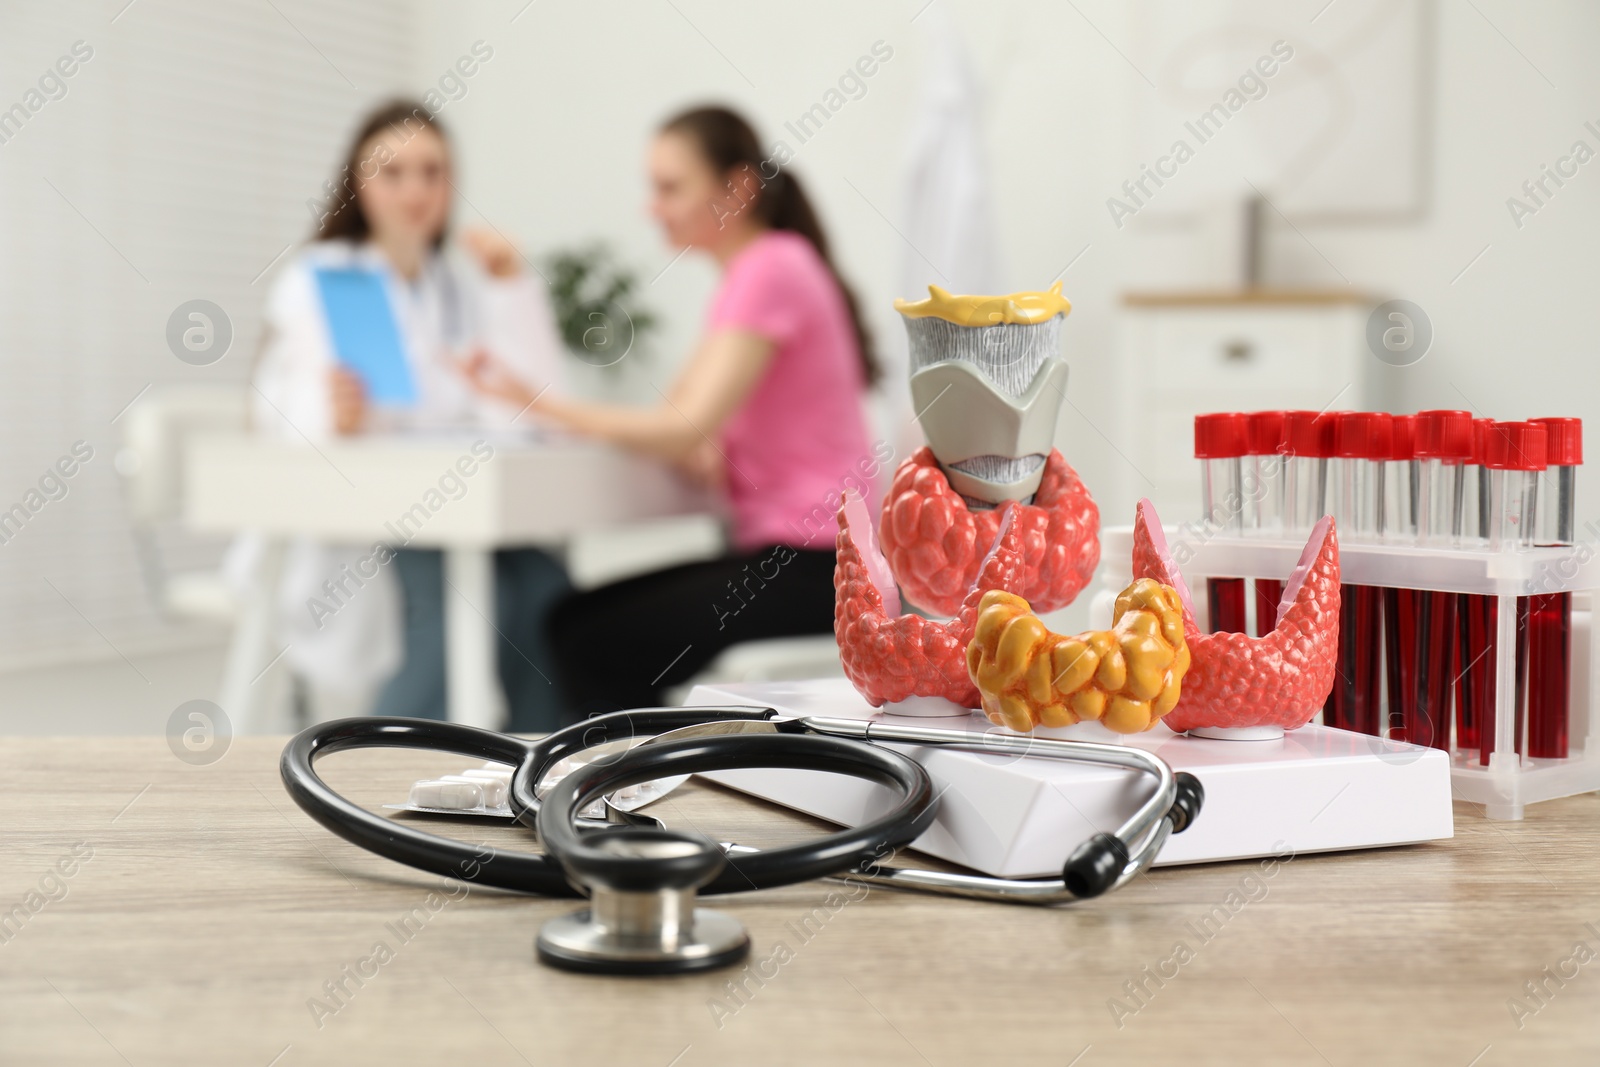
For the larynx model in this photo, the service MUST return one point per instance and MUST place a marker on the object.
(987, 381)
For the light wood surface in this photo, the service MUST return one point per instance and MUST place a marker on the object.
(211, 911)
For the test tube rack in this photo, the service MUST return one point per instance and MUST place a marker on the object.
(1510, 780)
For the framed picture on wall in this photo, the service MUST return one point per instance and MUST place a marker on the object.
(1290, 102)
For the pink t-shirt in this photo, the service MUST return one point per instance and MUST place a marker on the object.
(800, 438)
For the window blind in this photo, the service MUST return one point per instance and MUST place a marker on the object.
(174, 163)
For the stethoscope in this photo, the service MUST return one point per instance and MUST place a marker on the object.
(643, 880)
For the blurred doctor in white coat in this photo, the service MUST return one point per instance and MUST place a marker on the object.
(387, 210)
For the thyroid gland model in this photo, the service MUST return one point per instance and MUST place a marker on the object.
(988, 523)
(987, 504)
(996, 653)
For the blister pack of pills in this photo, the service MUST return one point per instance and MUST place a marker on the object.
(486, 791)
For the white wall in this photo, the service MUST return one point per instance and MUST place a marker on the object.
(174, 164)
(1513, 332)
(553, 133)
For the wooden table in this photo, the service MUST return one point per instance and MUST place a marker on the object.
(212, 912)
(466, 494)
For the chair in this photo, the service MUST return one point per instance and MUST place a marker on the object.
(155, 431)
(155, 438)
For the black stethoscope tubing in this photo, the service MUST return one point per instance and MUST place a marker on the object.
(824, 856)
(547, 751)
(544, 874)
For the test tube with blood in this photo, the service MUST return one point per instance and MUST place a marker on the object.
(1221, 441)
(1266, 516)
(1443, 448)
(1308, 438)
(1398, 522)
(1308, 441)
(1475, 669)
(1485, 509)
(1361, 446)
(1515, 456)
(1398, 525)
(1550, 614)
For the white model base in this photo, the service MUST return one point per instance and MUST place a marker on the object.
(1316, 789)
(926, 708)
(1238, 733)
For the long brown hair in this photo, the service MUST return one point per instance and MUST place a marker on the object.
(728, 142)
(342, 217)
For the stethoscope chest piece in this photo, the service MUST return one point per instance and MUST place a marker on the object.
(643, 924)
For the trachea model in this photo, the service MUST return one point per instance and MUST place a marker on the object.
(987, 382)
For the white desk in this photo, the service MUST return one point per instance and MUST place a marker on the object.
(357, 492)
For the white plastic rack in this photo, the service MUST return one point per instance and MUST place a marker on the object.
(1509, 781)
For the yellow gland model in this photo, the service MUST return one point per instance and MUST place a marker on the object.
(1126, 677)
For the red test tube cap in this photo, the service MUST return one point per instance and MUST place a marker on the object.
(1563, 441)
(1363, 434)
(1515, 446)
(1403, 437)
(1308, 433)
(1265, 431)
(1480, 440)
(1224, 435)
(1444, 435)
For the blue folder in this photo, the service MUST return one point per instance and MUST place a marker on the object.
(365, 336)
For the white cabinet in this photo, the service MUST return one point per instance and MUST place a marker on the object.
(1184, 354)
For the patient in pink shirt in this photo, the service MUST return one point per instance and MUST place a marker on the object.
(768, 408)
(799, 436)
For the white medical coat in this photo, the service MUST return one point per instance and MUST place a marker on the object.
(451, 308)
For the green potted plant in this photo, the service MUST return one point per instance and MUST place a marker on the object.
(592, 296)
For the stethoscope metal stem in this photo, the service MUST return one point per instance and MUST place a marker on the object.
(661, 916)
(630, 928)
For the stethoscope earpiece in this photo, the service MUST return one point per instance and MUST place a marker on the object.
(1191, 794)
(641, 919)
(1100, 862)
(1094, 866)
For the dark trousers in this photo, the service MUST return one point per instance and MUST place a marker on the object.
(619, 646)
(527, 583)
